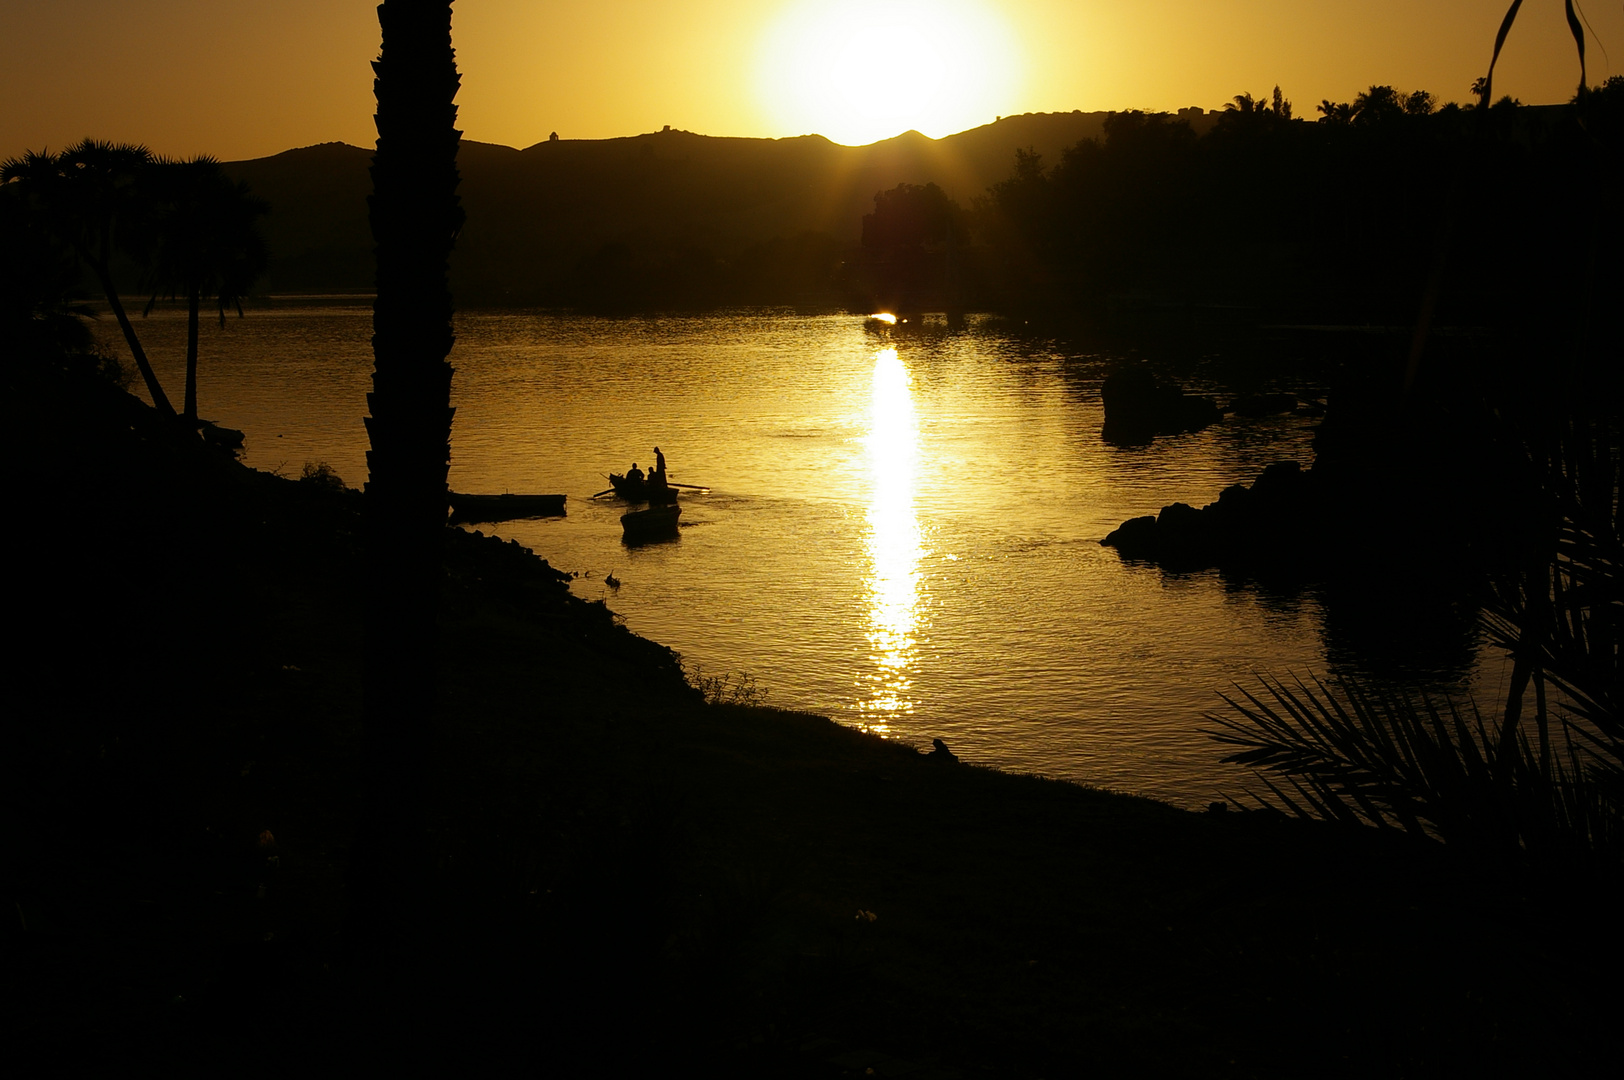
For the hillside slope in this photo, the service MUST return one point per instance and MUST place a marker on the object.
(541, 218)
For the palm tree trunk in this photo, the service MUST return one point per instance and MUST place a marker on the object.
(415, 217)
(191, 357)
(104, 277)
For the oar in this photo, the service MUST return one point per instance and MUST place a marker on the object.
(696, 487)
(601, 494)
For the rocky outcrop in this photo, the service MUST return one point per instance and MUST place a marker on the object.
(1278, 521)
(1139, 407)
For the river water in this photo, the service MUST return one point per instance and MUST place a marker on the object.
(901, 532)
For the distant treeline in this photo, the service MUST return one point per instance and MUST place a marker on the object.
(1383, 204)
(1124, 218)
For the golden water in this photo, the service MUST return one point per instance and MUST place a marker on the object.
(901, 532)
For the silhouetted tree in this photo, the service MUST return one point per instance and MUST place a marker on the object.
(204, 241)
(1119, 201)
(1334, 112)
(911, 241)
(1254, 118)
(910, 216)
(1420, 103)
(42, 313)
(1279, 106)
(415, 216)
(88, 196)
(1245, 103)
(1024, 199)
(1377, 105)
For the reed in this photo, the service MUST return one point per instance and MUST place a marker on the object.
(727, 688)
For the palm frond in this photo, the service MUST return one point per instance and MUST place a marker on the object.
(1428, 767)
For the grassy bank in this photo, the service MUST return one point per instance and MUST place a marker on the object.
(620, 877)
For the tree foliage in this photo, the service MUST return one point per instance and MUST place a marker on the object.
(203, 241)
(88, 197)
(1336, 222)
(189, 229)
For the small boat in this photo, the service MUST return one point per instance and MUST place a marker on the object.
(504, 507)
(641, 490)
(655, 523)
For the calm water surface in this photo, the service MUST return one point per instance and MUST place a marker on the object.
(901, 533)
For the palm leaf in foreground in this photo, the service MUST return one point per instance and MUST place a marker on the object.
(1402, 762)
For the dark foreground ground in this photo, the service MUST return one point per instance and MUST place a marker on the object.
(623, 880)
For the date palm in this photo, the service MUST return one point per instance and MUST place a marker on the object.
(42, 313)
(205, 241)
(88, 195)
(415, 215)
(1245, 103)
(1335, 112)
(1545, 783)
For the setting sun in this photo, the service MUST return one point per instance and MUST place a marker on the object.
(858, 72)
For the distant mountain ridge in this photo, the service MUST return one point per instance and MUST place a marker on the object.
(543, 219)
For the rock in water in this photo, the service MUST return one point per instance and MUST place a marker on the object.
(1139, 407)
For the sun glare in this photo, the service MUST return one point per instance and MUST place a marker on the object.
(858, 72)
(895, 545)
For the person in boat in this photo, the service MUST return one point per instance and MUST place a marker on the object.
(657, 477)
(634, 475)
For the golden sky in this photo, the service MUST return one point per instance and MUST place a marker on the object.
(241, 80)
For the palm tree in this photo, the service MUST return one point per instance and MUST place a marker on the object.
(1556, 791)
(1377, 105)
(415, 216)
(42, 314)
(1335, 112)
(204, 240)
(88, 195)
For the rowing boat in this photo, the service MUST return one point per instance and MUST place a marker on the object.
(655, 523)
(636, 490)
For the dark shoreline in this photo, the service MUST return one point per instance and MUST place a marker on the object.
(620, 877)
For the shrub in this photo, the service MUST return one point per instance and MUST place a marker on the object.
(320, 474)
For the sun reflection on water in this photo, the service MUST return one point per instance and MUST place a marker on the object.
(895, 545)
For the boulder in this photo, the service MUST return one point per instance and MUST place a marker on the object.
(1276, 523)
(1139, 407)
(1134, 538)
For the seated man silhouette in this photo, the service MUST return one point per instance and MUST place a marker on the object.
(634, 475)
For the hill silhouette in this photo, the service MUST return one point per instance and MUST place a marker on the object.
(762, 218)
